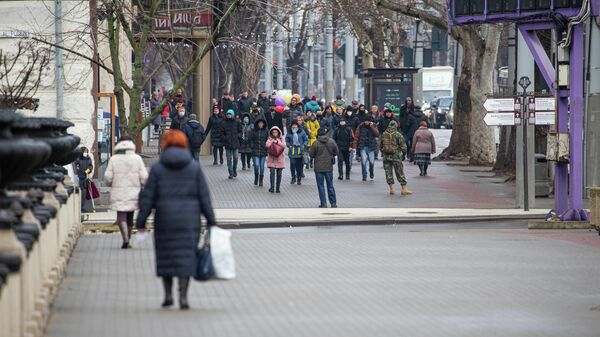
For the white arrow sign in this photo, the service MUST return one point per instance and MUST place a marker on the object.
(545, 117)
(499, 118)
(499, 104)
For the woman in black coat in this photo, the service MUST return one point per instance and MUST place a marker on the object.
(216, 139)
(83, 168)
(177, 191)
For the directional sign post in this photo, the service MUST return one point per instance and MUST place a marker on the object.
(500, 111)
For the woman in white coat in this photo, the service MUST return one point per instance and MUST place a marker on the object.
(125, 174)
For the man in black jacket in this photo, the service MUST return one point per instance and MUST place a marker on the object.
(274, 118)
(414, 122)
(263, 102)
(196, 136)
(245, 103)
(232, 129)
(405, 110)
(344, 138)
(323, 151)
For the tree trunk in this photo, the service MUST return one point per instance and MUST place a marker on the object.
(484, 55)
(506, 160)
(460, 140)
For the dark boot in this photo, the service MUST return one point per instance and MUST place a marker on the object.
(168, 287)
(260, 180)
(124, 234)
(293, 181)
(255, 178)
(184, 283)
(371, 174)
(422, 170)
(425, 170)
(299, 181)
(272, 181)
(279, 171)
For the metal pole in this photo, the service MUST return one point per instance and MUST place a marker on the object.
(329, 95)
(280, 61)
(269, 55)
(349, 67)
(58, 59)
(524, 123)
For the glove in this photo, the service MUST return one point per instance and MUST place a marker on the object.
(87, 171)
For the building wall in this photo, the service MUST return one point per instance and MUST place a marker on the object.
(37, 18)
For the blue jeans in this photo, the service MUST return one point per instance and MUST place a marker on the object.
(259, 164)
(322, 178)
(232, 161)
(195, 154)
(366, 154)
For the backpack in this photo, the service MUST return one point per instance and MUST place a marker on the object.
(275, 150)
(390, 144)
(197, 138)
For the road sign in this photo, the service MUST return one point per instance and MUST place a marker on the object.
(524, 82)
(545, 118)
(499, 118)
(499, 104)
(545, 104)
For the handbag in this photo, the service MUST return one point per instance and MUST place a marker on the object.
(204, 267)
(330, 154)
(305, 158)
(275, 150)
(93, 192)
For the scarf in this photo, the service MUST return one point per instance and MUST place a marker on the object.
(295, 141)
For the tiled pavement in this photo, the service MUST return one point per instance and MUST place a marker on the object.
(357, 281)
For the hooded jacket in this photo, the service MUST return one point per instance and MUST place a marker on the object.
(313, 128)
(177, 191)
(279, 161)
(296, 151)
(366, 137)
(312, 106)
(392, 130)
(322, 151)
(258, 138)
(195, 134)
(245, 144)
(125, 174)
(344, 137)
(414, 122)
(232, 131)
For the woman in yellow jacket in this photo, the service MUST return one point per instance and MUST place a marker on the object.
(313, 127)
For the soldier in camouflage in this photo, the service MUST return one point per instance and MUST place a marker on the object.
(393, 148)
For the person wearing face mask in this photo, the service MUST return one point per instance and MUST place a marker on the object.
(245, 145)
(84, 167)
(365, 142)
(276, 158)
(344, 138)
(232, 130)
(258, 139)
(312, 124)
(296, 141)
(215, 124)
(361, 112)
(178, 123)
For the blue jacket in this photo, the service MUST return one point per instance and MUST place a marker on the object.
(178, 193)
(296, 151)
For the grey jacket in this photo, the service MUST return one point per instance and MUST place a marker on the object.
(322, 151)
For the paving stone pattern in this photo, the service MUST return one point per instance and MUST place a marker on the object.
(359, 281)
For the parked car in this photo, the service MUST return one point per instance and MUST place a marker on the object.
(442, 112)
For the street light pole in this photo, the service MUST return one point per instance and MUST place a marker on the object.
(58, 59)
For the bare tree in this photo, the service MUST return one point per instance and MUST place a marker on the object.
(20, 75)
(136, 22)
(471, 136)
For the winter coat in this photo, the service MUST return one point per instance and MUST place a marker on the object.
(344, 137)
(405, 111)
(274, 119)
(264, 104)
(313, 129)
(322, 151)
(178, 123)
(296, 151)
(414, 122)
(228, 104)
(330, 122)
(398, 139)
(312, 106)
(258, 139)
(245, 144)
(361, 115)
(195, 134)
(177, 191)
(215, 124)
(365, 137)
(125, 174)
(423, 141)
(244, 104)
(272, 161)
(83, 164)
(232, 132)
(384, 121)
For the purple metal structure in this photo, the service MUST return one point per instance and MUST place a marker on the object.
(568, 181)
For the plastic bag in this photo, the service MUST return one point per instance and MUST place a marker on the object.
(222, 254)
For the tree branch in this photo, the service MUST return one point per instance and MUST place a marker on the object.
(98, 63)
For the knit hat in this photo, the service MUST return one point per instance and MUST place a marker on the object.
(230, 112)
(322, 131)
(174, 138)
(193, 117)
(423, 123)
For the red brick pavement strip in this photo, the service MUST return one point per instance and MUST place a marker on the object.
(588, 238)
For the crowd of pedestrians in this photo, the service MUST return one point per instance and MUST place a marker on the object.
(264, 130)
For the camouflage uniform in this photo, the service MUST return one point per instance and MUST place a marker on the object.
(393, 162)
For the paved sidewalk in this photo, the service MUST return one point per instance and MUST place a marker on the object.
(278, 217)
(347, 281)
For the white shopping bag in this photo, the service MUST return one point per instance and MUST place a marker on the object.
(222, 253)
